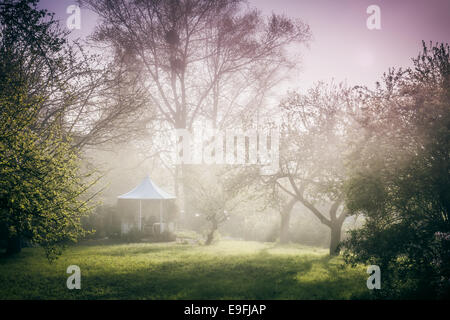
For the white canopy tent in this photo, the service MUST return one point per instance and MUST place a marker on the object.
(147, 190)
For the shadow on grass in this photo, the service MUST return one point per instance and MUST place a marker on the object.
(181, 272)
(257, 277)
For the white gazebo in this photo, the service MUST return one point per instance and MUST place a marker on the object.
(148, 190)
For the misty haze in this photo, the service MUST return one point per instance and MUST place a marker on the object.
(224, 149)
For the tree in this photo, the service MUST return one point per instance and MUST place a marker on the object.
(220, 193)
(285, 218)
(43, 192)
(400, 179)
(98, 100)
(259, 193)
(314, 138)
(211, 201)
(200, 60)
(279, 200)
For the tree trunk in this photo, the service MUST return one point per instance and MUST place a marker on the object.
(210, 236)
(285, 219)
(284, 228)
(180, 191)
(14, 245)
(335, 238)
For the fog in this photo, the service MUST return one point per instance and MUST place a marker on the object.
(249, 137)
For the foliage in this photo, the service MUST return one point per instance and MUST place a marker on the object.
(41, 186)
(400, 179)
(43, 194)
(165, 236)
(104, 222)
(132, 236)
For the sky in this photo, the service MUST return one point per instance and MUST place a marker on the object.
(343, 47)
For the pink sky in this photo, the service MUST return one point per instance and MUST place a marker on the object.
(343, 49)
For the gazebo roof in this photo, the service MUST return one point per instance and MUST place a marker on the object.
(147, 190)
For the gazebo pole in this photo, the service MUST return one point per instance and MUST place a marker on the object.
(140, 215)
(160, 216)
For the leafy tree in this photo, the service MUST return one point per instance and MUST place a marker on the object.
(97, 100)
(40, 182)
(400, 179)
(43, 193)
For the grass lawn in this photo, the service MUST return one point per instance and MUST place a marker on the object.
(226, 270)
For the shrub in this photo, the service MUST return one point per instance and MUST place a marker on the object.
(133, 235)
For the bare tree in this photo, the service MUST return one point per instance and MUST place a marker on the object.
(211, 199)
(200, 60)
(285, 204)
(313, 146)
(85, 94)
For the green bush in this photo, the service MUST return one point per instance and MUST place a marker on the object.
(132, 236)
(400, 181)
(165, 236)
(104, 222)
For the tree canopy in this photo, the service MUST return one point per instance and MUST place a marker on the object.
(43, 192)
(399, 178)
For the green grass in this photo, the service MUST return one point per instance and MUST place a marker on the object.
(226, 270)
